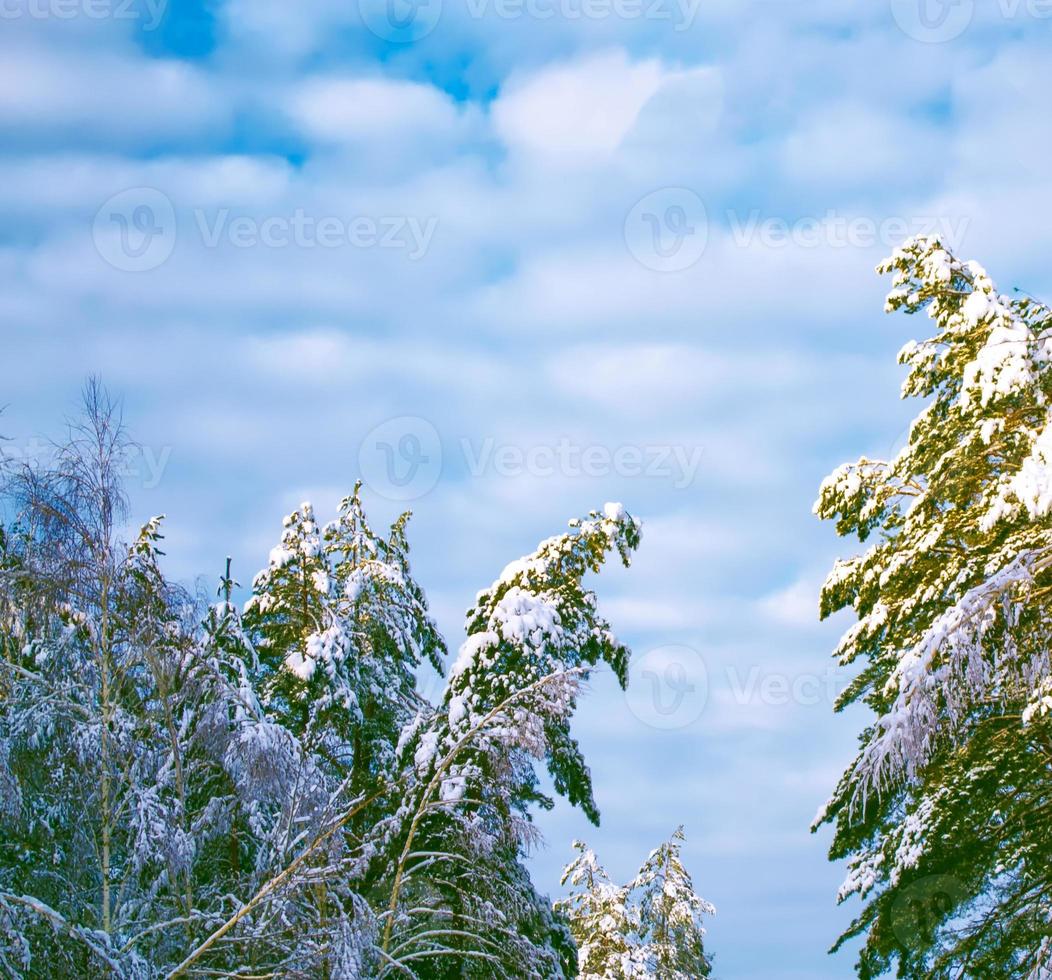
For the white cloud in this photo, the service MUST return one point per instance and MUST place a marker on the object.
(850, 144)
(129, 99)
(79, 182)
(644, 379)
(652, 616)
(796, 605)
(345, 110)
(578, 111)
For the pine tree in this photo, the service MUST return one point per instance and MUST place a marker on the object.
(649, 929)
(533, 637)
(339, 627)
(604, 925)
(189, 788)
(670, 913)
(944, 811)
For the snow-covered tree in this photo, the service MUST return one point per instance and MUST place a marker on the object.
(670, 913)
(944, 813)
(143, 785)
(327, 648)
(340, 628)
(649, 929)
(192, 788)
(100, 836)
(604, 925)
(533, 638)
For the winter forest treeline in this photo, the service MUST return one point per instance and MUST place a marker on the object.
(194, 787)
(189, 788)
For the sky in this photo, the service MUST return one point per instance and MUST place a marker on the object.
(507, 260)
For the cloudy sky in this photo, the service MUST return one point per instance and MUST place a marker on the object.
(510, 259)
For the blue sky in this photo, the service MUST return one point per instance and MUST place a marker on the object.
(579, 252)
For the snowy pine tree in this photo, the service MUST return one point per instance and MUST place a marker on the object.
(533, 637)
(190, 788)
(604, 925)
(649, 929)
(670, 913)
(944, 811)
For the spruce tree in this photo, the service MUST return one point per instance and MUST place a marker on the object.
(670, 913)
(649, 929)
(943, 813)
(189, 788)
(605, 926)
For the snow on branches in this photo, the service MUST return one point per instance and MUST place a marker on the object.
(951, 599)
(201, 789)
(648, 929)
(533, 636)
(536, 630)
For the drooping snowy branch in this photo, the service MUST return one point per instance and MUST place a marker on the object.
(953, 632)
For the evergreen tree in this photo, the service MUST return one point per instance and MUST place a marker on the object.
(649, 929)
(944, 811)
(604, 925)
(533, 637)
(340, 628)
(188, 790)
(670, 913)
